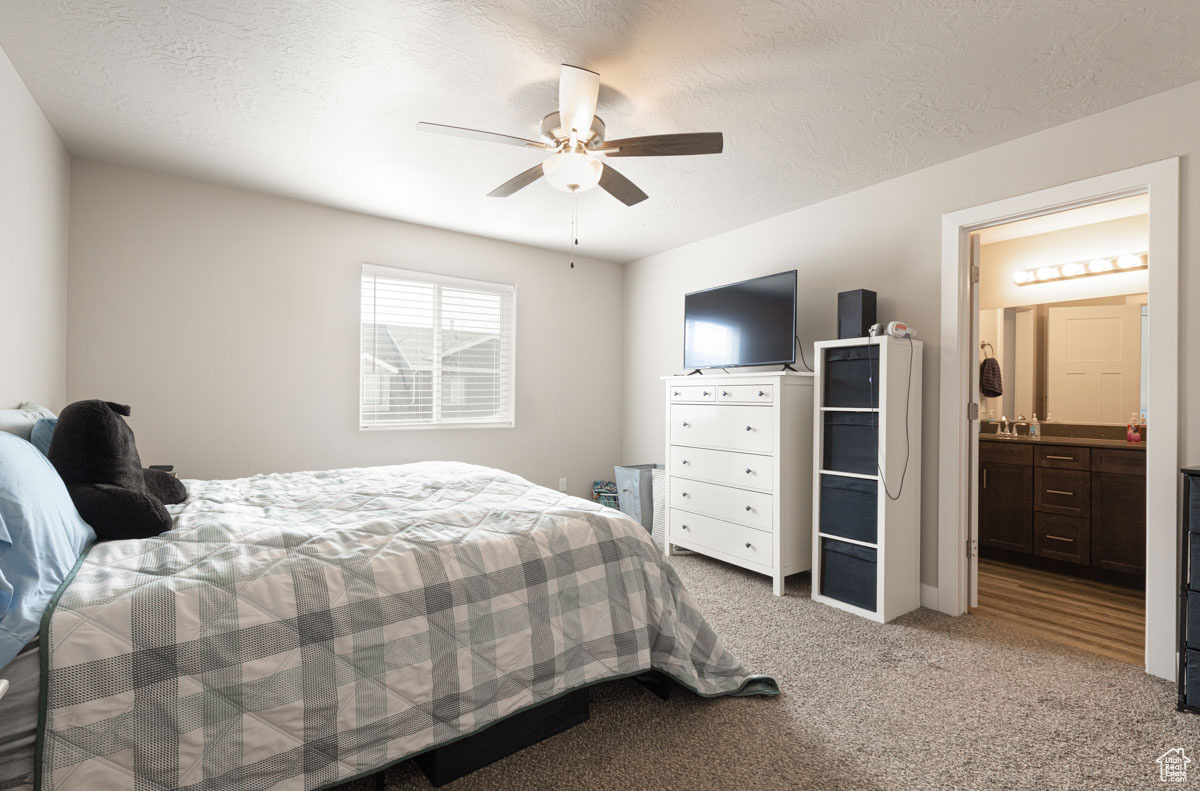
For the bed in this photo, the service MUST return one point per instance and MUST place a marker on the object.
(301, 630)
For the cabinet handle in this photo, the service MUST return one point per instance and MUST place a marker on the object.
(749, 508)
(748, 471)
(1061, 458)
(748, 428)
(1060, 491)
(748, 545)
(1061, 538)
(984, 476)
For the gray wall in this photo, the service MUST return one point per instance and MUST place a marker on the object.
(34, 176)
(230, 321)
(888, 238)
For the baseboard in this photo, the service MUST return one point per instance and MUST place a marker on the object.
(929, 596)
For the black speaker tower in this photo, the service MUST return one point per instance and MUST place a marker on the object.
(856, 313)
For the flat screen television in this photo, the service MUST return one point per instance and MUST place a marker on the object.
(747, 323)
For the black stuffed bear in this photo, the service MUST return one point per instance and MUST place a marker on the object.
(93, 450)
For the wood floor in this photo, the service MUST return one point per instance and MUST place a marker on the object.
(1103, 619)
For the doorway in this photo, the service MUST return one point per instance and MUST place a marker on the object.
(959, 470)
(1061, 494)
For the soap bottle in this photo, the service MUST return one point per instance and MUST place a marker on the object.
(1035, 428)
(1131, 429)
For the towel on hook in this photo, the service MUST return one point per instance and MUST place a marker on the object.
(990, 383)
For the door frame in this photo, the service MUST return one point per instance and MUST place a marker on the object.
(957, 489)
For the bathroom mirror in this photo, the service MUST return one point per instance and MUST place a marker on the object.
(1080, 362)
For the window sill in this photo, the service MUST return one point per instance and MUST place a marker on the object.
(427, 426)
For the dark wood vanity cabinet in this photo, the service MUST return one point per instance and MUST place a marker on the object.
(1006, 506)
(1064, 503)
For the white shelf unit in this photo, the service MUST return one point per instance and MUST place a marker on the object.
(866, 545)
(739, 469)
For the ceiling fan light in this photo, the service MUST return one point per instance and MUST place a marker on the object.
(572, 171)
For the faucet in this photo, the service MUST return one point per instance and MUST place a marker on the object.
(1003, 426)
(1020, 421)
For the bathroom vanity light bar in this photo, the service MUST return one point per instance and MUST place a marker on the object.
(1097, 266)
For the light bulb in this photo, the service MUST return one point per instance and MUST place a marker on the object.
(1129, 261)
(1073, 270)
(1022, 277)
(1100, 265)
(572, 171)
(1047, 273)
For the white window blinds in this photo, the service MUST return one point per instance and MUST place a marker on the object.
(435, 351)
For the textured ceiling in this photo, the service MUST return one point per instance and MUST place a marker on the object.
(318, 99)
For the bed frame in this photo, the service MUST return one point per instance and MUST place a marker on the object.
(448, 763)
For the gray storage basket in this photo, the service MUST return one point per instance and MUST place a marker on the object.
(635, 492)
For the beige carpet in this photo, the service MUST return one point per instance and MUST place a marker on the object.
(926, 702)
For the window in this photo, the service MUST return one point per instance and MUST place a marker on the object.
(434, 351)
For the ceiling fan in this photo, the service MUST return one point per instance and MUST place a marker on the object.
(575, 136)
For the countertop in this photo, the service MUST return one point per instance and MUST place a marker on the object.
(1083, 442)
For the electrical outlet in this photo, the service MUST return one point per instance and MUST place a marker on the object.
(562, 484)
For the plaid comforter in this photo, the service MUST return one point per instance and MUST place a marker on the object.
(296, 631)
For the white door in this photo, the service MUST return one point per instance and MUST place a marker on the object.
(1094, 363)
(973, 440)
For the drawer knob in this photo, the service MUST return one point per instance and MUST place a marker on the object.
(685, 461)
(685, 494)
(686, 424)
(705, 392)
(724, 392)
(749, 508)
(761, 394)
(748, 428)
(748, 545)
(685, 527)
(748, 470)
(675, 393)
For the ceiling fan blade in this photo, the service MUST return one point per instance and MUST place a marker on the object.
(476, 134)
(517, 182)
(665, 145)
(578, 90)
(620, 187)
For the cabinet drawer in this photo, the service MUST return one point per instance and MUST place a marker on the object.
(746, 394)
(1001, 453)
(683, 394)
(723, 466)
(722, 502)
(738, 541)
(1125, 462)
(1066, 492)
(725, 426)
(1062, 457)
(1062, 538)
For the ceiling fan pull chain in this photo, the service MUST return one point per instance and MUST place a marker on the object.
(574, 227)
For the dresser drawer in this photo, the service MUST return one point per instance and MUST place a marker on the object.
(723, 466)
(1066, 492)
(685, 394)
(746, 394)
(738, 541)
(1062, 457)
(1062, 538)
(726, 426)
(722, 502)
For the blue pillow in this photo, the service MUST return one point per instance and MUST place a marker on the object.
(43, 431)
(41, 538)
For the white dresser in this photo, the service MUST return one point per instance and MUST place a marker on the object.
(739, 469)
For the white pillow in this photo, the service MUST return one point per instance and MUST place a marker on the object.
(20, 421)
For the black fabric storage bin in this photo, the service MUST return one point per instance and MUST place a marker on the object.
(1193, 619)
(852, 442)
(1191, 686)
(852, 377)
(848, 573)
(1194, 565)
(849, 508)
(1193, 507)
